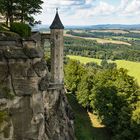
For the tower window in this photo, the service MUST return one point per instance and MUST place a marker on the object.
(56, 36)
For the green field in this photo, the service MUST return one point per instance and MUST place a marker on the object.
(132, 67)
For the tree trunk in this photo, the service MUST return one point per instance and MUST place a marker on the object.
(10, 12)
(6, 20)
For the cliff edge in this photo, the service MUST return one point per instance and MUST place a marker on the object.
(31, 107)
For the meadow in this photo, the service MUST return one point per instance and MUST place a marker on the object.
(132, 67)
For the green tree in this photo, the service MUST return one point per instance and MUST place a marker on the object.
(26, 8)
(6, 9)
(135, 120)
(113, 97)
(73, 73)
(84, 87)
(106, 65)
(21, 10)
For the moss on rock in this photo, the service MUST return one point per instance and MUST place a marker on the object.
(5, 92)
(3, 116)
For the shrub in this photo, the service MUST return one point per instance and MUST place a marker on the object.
(22, 29)
(3, 116)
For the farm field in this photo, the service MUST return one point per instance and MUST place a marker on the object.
(100, 40)
(125, 38)
(117, 31)
(132, 67)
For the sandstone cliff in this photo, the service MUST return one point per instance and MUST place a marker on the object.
(31, 107)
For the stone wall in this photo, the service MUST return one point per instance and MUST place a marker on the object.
(31, 108)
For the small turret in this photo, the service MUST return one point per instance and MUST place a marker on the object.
(57, 24)
(57, 48)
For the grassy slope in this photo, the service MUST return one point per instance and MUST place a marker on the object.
(87, 126)
(83, 126)
(132, 67)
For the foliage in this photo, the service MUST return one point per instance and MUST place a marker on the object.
(6, 9)
(22, 29)
(135, 120)
(132, 67)
(27, 8)
(21, 10)
(113, 95)
(84, 88)
(73, 73)
(3, 27)
(92, 49)
(106, 65)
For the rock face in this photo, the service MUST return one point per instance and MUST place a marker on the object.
(31, 108)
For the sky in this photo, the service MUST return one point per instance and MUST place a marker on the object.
(91, 12)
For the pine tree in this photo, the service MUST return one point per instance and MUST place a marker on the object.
(21, 10)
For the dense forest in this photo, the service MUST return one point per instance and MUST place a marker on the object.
(90, 48)
(108, 92)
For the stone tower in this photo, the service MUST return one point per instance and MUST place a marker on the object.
(57, 47)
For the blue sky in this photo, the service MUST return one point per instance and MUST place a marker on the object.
(91, 12)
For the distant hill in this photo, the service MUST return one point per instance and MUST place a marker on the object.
(116, 26)
(94, 27)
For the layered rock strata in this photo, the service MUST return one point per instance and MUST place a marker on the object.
(31, 107)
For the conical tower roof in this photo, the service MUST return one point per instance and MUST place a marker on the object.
(57, 24)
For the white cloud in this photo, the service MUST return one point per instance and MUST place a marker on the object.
(133, 8)
(123, 5)
(91, 11)
(89, 2)
(102, 9)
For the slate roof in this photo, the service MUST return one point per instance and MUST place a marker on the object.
(57, 24)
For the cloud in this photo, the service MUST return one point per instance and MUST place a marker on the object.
(122, 5)
(89, 11)
(63, 3)
(102, 9)
(133, 8)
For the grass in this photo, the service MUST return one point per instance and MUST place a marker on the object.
(132, 67)
(87, 126)
(84, 60)
(95, 121)
(101, 40)
(83, 126)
